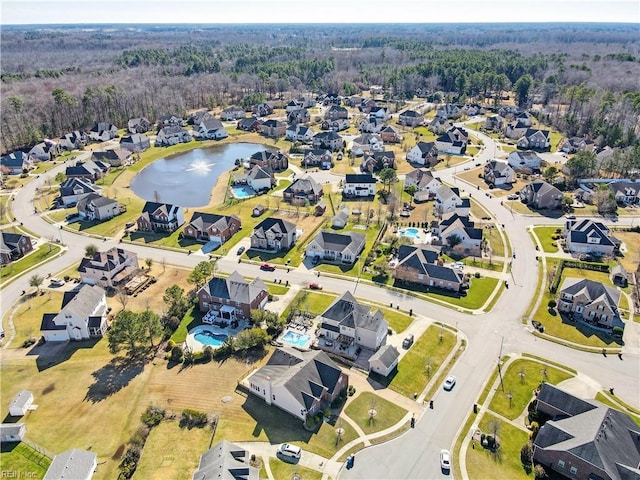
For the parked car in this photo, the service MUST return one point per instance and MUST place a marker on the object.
(268, 267)
(315, 286)
(288, 450)
(513, 196)
(240, 251)
(571, 217)
(408, 341)
(449, 382)
(458, 265)
(445, 459)
(56, 282)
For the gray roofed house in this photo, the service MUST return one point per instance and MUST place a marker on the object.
(535, 139)
(273, 159)
(73, 140)
(410, 118)
(460, 226)
(300, 383)
(587, 236)
(341, 218)
(13, 246)
(226, 461)
(302, 190)
(273, 128)
(207, 227)
(135, 143)
(15, 163)
(318, 157)
(524, 161)
(586, 440)
(116, 157)
(498, 173)
(261, 179)
(95, 207)
(200, 116)
(336, 247)
(110, 268)
(12, 432)
(384, 360)
(172, 135)
(232, 113)
(74, 189)
(421, 265)
(91, 170)
(541, 195)
(328, 140)
(249, 124)
(273, 234)
(103, 131)
(74, 464)
(162, 217)
(423, 153)
(233, 297)
(211, 128)
(592, 301)
(45, 150)
(138, 125)
(626, 192)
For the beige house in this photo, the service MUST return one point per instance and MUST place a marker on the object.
(591, 301)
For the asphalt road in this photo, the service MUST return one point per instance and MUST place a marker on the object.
(414, 455)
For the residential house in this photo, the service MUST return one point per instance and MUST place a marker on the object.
(473, 109)
(348, 322)
(273, 128)
(410, 118)
(73, 464)
(13, 246)
(45, 151)
(72, 190)
(586, 439)
(199, 117)
(303, 190)
(454, 141)
(384, 361)
(211, 129)
(172, 135)
(136, 142)
(109, 269)
(74, 140)
(300, 383)
(524, 161)
(359, 185)
(389, 135)
(332, 99)
(169, 121)
(328, 140)
(524, 117)
(226, 461)
(494, 123)
(336, 247)
(83, 315)
(364, 105)
(468, 238)
(262, 109)
(515, 130)
(16, 163)
(498, 173)
(95, 207)
(306, 102)
(449, 111)
(541, 195)
(335, 125)
(261, 179)
(341, 218)
(12, 432)
(292, 106)
(440, 125)
(377, 161)
(590, 300)
(90, 170)
(116, 157)
(273, 234)
(249, 124)
(423, 153)
(300, 115)
(138, 125)
(380, 112)
(535, 139)
(160, 217)
(103, 131)
(318, 157)
(366, 143)
(578, 144)
(233, 297)
(336, 112)
(299, 133)
(232, 113)
(424, 181)
(626, 193)
(449, 200)
(273, 159)
(21, 403)
(371, 125)
(587, 236)
(421, 265)
(211, 227)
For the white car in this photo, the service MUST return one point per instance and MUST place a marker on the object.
(288, 450)
(56, 282)
(445, 459)
(449, 382)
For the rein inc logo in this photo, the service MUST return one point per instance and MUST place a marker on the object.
(17, 474)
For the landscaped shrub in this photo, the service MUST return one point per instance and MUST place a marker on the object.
(526, 457)
(539, 473)
(140, 436)
(193, 418)
(552, 304)
(618, 331)
(169, 346)
(351, 390)
(152, 416)
(207, 353)
(129, 462)
(177, 354)
(477, 274)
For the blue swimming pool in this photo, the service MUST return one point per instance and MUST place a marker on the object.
(410, 232)
(296, 339)
(242, 191)
(207, 337)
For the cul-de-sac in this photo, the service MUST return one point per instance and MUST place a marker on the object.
(320, 252)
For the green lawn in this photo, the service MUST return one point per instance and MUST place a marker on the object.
(606, 399)
(284, 470)
(23, 460)
(6, 216)
(492, 235)
(171, 240)
(41, 254)
(412, 376)
(191, 319)
(353, 270)
(522, 389)
(544, 234)
(27, 314)
(388, 414)
(476, 296)
(483, 464)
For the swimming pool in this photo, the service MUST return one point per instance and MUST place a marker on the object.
(208, 336)
(296, 339)
(410, 232)
(242, 191)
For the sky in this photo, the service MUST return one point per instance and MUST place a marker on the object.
(309, 11)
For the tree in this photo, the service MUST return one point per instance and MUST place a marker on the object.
(90, 250)
(36, 281)
(539, 473)
(522, 87)
(200, 274)
(550, 174)
(582, 165)
(526, 456)
(605, 200)
(123, 296)
(453, 240)
(388, 176)
(250, 338)
(152, 325)
(148, 262)
(178, 304)
(127, 332)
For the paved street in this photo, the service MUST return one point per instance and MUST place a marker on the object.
(414, 454)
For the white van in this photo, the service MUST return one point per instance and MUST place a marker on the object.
(288, 450)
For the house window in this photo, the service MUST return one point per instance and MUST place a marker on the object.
(205, 304)
(573, 470)
(561, 463)
(274, 397)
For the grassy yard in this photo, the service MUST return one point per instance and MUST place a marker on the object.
(41, 254)
(5, 210)
(476, 296)
(521, 388)
(632, 255)
(27, 314)
(282, 469)
(492, 235)
(371, 232)
(388, 414)
(544, 234)
(24, 460)
(412, 374)
(483, 464)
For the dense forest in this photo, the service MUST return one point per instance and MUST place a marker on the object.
(582, 78)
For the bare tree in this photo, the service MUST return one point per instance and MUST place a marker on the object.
(123, 297)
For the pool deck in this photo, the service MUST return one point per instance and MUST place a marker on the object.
(299, 331)
(196, 346)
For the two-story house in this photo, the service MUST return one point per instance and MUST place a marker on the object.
(273, 234)
(448, 200)
(524, 161)
(498, 173)
(587, 236)
(424, 182)
(136, 142)
(94, 207)
(535, 139)
(377, 161)
(91, 170)
(299, 133)
(590, 300)
(318, 157)
(460, 234)
(366, 143)
(72, 190)
(359, 185)
(261, 179)
(303, 190)
(211, 227)
(454, 141)
(541, 195)
(212, 129)
(109, 269)
(233, 297)
(273, 128)
(115, 157)
(421, 265)
(13, 246)
(410, 118)
(423, 153)
(626, 193)
(328, 140)
(273, 159)
(172, 135)
(138, 125)
(389, 135)
(160, 217)
(336, 112)
(170, 120)
(232, 113)
(16, 163)
(103, 131)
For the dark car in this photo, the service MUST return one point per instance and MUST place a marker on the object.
(240, 251)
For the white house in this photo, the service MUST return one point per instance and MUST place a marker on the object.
(12, 432)
(95, 207)
(336, 247)
(73, 464)
(20, 404)
(226, 460)
(212, 129)
(260, 178)
(367, 142)
(83, 316)
(384, 361)
(524, 160)
(299, 133)
(423, 153)
(172, 135)
(470, 238)
(535, 139)
(423, 180)
(232, 113)
(498, 173)
(447, 200)
(110, 268)
(587, 236)
(359, 185)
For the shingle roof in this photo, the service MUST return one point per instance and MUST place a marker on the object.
(71, 464)
(83, 301)
(346, 311)
(225, 461)
(22, 399)
(581, 231)
(203, 221)
(304, 184)
(9, 241)
(340, 242)
(592, 290)
(387, 355)
(106, 261)
(277, 226)
(235, 288)
(76, 186)
(359, 178)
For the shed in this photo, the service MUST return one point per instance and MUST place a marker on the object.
(258, 210)
(21, 403)
(619, 276)
(384, 360)
(320, 208)
(12, 432)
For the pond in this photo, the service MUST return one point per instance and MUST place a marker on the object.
(186, 179)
